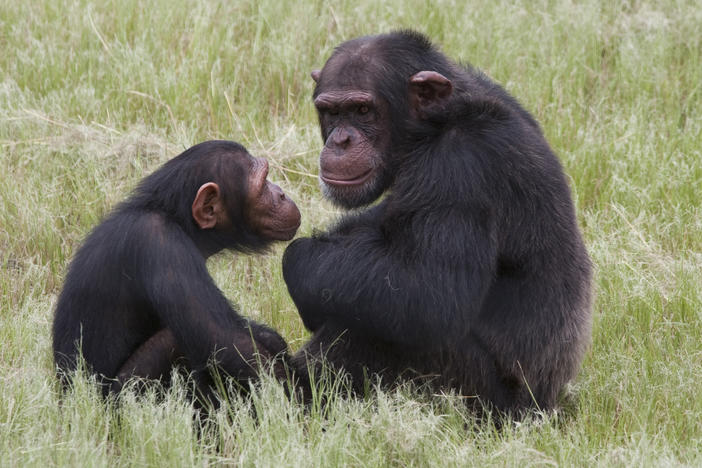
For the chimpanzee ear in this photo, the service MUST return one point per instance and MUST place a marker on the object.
(315, 75)
(427, 87)
(207, 205)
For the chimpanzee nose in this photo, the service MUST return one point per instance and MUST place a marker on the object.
(278, 191)
(341, 137)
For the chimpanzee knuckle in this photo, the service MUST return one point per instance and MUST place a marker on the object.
(271, 340)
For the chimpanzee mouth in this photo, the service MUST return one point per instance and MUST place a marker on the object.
(282, 233)
(358, 180)
(286, 234)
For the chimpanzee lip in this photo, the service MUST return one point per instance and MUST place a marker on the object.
(346, 182)
(283, 233)
(292, 228)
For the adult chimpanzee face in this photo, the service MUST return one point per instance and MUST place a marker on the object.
(352, 162)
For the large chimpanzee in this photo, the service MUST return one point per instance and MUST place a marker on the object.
(471, 273)
(138, 295)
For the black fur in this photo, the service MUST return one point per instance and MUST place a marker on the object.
(471, 272)
(139, 286)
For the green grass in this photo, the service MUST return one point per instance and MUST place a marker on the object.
(93, 96)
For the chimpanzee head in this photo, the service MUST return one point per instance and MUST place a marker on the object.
(221, 197)
(367, 94)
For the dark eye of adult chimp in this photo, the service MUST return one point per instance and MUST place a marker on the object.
(363, 110)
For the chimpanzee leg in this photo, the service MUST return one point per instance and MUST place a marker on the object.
(152, 360)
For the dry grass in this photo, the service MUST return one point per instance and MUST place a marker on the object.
(95, 96)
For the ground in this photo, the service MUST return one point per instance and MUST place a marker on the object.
(95, 96)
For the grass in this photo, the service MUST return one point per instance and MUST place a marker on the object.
(93, 96)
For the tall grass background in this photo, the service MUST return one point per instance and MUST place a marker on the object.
(95, 95)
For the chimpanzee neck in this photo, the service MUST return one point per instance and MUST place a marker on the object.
(208, 242)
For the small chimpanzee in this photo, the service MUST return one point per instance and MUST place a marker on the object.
(138, 295)
(471, 273)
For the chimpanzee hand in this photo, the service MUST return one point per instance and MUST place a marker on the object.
(268, 342)
(271, 347)
(249, 346)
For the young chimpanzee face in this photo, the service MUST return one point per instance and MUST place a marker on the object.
(264, 208)
(270, 213)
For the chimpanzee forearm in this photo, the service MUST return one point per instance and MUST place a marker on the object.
(361, 283)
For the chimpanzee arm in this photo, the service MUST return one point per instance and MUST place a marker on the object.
(189, 304)
(422, 284)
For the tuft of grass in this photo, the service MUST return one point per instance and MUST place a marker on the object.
(94, 96)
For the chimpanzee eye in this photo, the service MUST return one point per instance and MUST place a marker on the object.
(363, 110)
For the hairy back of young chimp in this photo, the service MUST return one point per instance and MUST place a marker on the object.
(471, 273)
